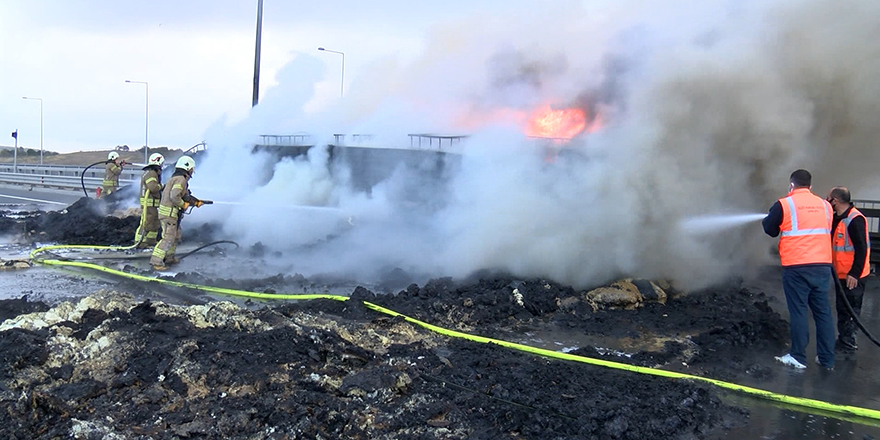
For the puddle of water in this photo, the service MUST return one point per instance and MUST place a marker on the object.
(773, 422)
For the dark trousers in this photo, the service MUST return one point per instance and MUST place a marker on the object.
(846, 326)
(809, 286)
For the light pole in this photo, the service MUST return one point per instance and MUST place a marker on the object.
(342, 82)
(257, 54)
(41, 124)
(147, 123)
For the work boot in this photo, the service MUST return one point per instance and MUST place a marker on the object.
(160, 268)
(842, 346)
(171, 260)
(843, 352)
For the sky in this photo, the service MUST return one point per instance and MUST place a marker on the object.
(196, 55)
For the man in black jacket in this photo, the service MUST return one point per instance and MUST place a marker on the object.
(852, 256)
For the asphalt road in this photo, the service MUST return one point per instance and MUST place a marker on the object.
(17, 197)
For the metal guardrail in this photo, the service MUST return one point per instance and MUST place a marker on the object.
(60, 182)
(128, 173)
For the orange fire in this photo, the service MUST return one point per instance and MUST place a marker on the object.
(563, 123)
(545, 122)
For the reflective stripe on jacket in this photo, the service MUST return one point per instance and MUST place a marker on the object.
(111, 174)
(805, 229)
(844, 252)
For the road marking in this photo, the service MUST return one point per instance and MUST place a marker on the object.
(32, 200)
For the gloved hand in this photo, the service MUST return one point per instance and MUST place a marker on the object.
(122, 164)
(185, 205)
(198, 203)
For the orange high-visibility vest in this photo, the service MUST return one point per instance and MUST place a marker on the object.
(805, 229)
(844, 252)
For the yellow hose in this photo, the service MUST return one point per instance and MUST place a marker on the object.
(864, 416)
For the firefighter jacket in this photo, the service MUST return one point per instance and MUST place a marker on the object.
(151, 187)
(175, 196)
(111, 174)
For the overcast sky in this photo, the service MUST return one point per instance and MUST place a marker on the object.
(197, 55)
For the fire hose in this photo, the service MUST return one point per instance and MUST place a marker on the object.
(82, 177)
(841, 292)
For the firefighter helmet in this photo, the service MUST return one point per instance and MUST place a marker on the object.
(113, 156)
(156, 159)
(186, 163)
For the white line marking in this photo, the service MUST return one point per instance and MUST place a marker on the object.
(32, 200)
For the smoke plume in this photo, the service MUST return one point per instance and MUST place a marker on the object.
(705, 109)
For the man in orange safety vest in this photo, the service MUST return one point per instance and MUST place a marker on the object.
(852, 263)
(802, 221)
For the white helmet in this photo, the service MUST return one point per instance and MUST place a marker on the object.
(186, 163)
(156, 159)
(113, 155)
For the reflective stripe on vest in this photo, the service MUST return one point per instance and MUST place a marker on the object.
(805, 235)
(844, 251)
(795, 230)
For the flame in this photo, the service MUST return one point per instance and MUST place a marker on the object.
(545, 122)
(563, 123)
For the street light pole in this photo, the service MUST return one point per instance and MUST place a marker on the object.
(147, 123)
(41, 124)
(257, 54)
(342, 82)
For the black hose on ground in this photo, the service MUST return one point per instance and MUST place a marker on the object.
(207, 245)
(840, 291)
(82, 177)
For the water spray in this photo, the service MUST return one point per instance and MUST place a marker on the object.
(306, 207)
(710, 223)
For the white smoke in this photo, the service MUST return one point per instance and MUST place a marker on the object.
(708, 109)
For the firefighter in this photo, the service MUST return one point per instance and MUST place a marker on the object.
(150, 195)
(111, 174)
(176, 198)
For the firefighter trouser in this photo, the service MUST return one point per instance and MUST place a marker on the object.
(147, 233)
(164, 251)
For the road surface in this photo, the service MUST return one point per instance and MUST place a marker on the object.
(16, 197)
